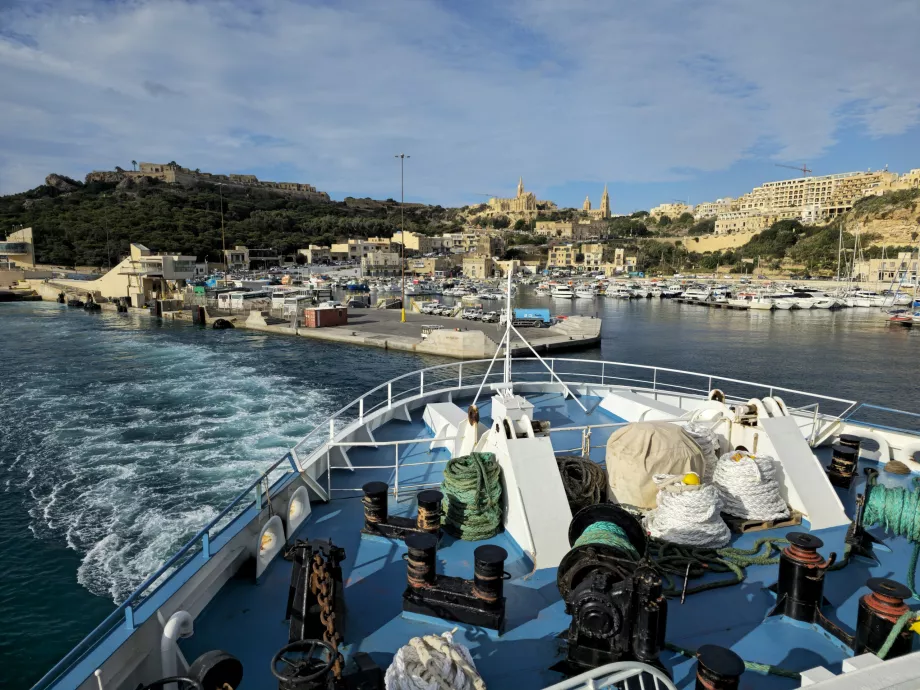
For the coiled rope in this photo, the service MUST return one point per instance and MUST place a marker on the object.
(433, 662)
(610, 534)
(472, 496)
(749, 665)
(748, 487)
(897, 510)
(675, 562)
(687, 514)
(584, 481)
(708, 442)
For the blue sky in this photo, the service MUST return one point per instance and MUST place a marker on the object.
(662, 99)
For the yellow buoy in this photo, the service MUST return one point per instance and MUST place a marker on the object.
(916, 627)
(692, 479)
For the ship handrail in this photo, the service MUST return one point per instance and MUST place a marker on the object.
(611, 675)
(125, 610)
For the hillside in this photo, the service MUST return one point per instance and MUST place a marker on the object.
(71, 219)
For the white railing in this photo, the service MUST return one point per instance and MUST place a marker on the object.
(465, 376)
(628, 675)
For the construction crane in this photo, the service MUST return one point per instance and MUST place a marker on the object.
(804, 169)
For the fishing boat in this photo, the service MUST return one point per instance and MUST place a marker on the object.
(439, 529)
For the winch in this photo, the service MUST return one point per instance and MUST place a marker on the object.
(479, 601)
(611, 590)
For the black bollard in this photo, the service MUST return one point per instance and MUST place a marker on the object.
(421, 560)
(429, 511)
(717, 668)
(375, 504)
(800, 587)
(489, 572)
(843, 465)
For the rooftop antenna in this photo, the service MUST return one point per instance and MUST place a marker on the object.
(505, 342)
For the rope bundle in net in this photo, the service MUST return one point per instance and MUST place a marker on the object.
(687, 514)
(748, 487)
(584, 481)
(472, 496)
(433, 662)
(708, 442)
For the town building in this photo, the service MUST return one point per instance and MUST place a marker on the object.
(432, 266)
(380, 264)
(417, 242)
(711, 209)
(592, 255)
(172, 173)
(351, 250)
(242, 258)
(514, 265)
(561, 256)
(316, 254)
(570, 229)
(477, 266)
(672, 211)
(739, 221)
(814, 199)
(601, 213)
(236, 259)
(522, 205)
(18, 250)
(899, 271)
(142, 277)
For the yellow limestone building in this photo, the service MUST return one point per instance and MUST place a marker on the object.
(523, 205)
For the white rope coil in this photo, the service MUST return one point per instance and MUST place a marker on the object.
(748, 487)
(708, 442)
(433, 662)
(687, 514)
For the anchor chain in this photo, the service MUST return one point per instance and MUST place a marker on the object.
(321, 585)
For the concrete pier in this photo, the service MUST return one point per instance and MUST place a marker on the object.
(456, 338)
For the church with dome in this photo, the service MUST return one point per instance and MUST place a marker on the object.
(598, 213)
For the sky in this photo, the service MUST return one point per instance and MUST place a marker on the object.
(661, 99)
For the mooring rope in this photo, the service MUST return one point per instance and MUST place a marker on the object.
(748, 486)
(749, 665)
(584, 481)
(433, 662)
(609, 534)
(897, 510)
(472, 496)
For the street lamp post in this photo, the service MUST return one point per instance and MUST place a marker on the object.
(223, 239)
(402, 229)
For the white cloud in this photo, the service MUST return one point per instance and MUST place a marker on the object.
(553, 90)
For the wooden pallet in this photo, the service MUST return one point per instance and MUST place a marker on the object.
(742, 526)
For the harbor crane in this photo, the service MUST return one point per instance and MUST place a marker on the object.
(804, 169)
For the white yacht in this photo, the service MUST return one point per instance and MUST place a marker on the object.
(752, 300)
(585, 292)
(562, 292)
(698, 293)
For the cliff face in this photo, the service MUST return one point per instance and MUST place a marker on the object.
(62, 183)
(897, 226)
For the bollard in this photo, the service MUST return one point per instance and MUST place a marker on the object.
(718, 668)
(429, 511)
(489, 572)
(423, 551)
(375, 504)
(878, 612)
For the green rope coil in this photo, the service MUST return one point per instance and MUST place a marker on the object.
(897, 510)
(672, 561)
(749, 665)
(610, 534)
(472, 491)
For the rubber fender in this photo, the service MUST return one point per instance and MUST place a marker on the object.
(269, 543)
(298, 510)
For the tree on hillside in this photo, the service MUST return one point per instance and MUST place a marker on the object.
(519, 224)
(639, 214)
(707, 226)
(664, 221)
(685, 218)
(501, 222)
(134, 164)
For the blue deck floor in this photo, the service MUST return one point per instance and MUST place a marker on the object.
(247, 619)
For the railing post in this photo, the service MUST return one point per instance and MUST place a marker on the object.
(129, 618)
(709, 387)
(552, 369)
(332, 429)
(603, 369)
(205, 546)
(814, 428)
(328, 473)
(655, 382)
(421, 382)
(389, 395)
(396, 475)
(361, 410)
(460, 375)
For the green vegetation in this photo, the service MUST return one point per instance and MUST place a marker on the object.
(877, 205)
(707, 226)
(71, 228)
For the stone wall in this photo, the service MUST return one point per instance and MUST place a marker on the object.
(711, 243)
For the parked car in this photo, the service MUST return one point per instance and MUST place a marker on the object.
(471, 314)
(443, 310)
(490, 317)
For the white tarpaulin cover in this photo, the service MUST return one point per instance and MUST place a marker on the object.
(637, 452)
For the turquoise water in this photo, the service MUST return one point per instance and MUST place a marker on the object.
(122, 435)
